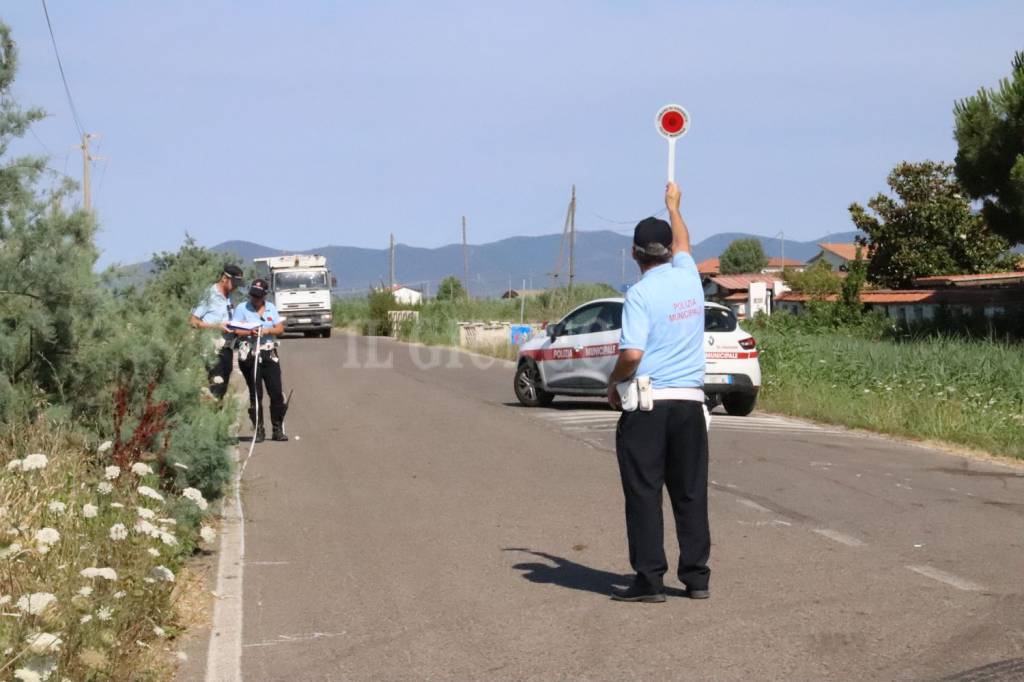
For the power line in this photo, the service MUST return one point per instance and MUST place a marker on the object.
(60, 66)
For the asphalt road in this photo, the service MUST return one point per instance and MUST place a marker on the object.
(423, 526)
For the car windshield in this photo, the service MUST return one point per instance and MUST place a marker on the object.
(719, 320)
(309, 279)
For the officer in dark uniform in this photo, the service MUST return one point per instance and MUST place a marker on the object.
(259, 340)
(214, 312)
(667, 445)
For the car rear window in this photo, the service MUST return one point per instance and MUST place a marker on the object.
(718, 320)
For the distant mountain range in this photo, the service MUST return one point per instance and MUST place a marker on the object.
(599, 258)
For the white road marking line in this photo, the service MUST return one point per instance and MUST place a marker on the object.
(288, 639)
(947, 578)
(841, 538)
(224, 655)
(753, 505)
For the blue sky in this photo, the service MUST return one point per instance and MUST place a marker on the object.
(306, 123)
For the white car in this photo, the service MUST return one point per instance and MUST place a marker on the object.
(577, 355)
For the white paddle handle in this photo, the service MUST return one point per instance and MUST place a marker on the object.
(671, 159)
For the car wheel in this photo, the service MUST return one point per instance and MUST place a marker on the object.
(326, 333)
(739, 404)
(528, 386)
(308, 335)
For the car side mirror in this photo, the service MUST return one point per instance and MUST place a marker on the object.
(555, 330)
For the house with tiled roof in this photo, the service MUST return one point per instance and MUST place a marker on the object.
(990, 294)
(745, 294)
(838, 255)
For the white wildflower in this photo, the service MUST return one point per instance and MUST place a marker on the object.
(162, 573)
(36, 461)
(196, 496)
(104, 446)
(167, 522)
(57, 507)
(159, 631)
(105, 613)
(45, 538)
(90, 511)
(37, 603)
(14, 465)
(5, 599)
(146, 491)
(153, 551)
(168, 538)
(10, 550)
(95, 572)
(207, 534)
(43, 643)
(117, 505)
(105, 488)
(141, 469)
(120, 594)
(85, 619)
(118, 532)
(145, 513)
(149, 581)
(144, 527)
(26, 675)
(85, 591)
(112, 472)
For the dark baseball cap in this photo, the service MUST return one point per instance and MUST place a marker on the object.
(259, 288)
(232, 271)
(653, 237)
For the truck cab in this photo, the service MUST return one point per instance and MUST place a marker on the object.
(300, 287)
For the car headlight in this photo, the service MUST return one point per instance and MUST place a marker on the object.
(327, 316)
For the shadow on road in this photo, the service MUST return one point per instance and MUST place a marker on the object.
(574, 576)
(566, 405)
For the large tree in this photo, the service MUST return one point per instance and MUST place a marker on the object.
(990, 160)
(927, 228)
(743, 255)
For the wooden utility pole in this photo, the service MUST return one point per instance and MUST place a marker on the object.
(391, 263)
(87, 160)
(465, 258)
(572, 238)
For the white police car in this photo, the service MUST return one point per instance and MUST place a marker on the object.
(577, 355)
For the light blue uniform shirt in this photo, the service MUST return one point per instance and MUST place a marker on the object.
(246, 313)
(214, 308)
(664, 317)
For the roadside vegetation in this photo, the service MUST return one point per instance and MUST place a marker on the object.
(110, 444)
(961, 390)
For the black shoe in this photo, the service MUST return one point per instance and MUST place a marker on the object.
(634, 593)
(278, 434)
(698, 594)
(261, 434)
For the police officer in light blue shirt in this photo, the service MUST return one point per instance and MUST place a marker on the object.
(667, 446)
(214, 312)
(257, 324)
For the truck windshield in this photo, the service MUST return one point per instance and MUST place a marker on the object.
(310, 279)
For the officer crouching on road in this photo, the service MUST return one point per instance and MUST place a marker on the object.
(663, 441)
(214, 312)
(261, 315)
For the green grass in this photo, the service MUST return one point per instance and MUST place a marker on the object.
(968, 393)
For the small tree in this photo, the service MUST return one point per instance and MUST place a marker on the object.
(450, 289)
(990, 159)
(743, 255)
(928, 228)
(818, 281)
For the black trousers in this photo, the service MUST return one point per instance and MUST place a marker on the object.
(667, 446)
(269, 375)
(221, 367)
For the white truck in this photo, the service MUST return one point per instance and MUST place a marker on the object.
(300, 287)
